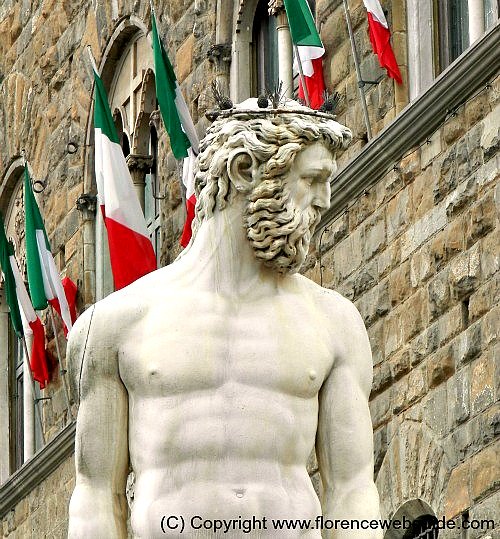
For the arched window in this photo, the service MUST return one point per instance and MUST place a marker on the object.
(17, 393)
(415, 519)
(265, 72)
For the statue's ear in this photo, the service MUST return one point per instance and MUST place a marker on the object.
(241, 167)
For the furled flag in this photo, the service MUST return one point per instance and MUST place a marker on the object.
(380, 38)
(178, 123)
(310, 49)
(130, 249)
(22, 315)
(43, 278)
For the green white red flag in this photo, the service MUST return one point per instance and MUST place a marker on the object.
(310, 49)
(43, 278)
(380, 38)
(131, 252)
(22, 315)
(178, 123)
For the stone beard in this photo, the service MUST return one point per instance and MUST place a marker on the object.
(278, 231)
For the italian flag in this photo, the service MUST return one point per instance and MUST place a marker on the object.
(130, 249)
(43, 278)
(22, 315)
(310, 49)
(380, 38)
(178, 123)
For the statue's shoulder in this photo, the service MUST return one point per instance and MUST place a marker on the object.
(333, 303)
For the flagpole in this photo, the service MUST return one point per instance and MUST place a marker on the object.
(62, 370)
(36, 402)
(92, 59)
(361, 83)
(301, 74)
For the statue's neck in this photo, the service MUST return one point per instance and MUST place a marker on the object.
(221, 259)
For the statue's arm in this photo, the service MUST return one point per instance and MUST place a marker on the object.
(98, 506)
(344, 444)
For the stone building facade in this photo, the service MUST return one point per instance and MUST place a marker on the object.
(411, 237)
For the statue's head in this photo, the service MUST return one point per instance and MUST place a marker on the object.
(281, 163)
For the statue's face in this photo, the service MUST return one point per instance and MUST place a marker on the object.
(281, 222)
(308, 181)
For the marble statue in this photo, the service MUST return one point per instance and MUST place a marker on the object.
(213, 378)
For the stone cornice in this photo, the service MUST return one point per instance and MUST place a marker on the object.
(35, 470)
(415, 123)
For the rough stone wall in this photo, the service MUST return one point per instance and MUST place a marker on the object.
(418, 255)
(44, 512)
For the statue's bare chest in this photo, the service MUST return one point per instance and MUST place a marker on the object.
(191, 346)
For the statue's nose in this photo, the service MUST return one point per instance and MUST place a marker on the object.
(322, 195)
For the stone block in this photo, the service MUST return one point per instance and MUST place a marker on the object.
(485, 472)
(439, 294)
(365, 278)
(422, 230)
(482, 392)
(476, 109)
(454, 127)
(417, 385)
(362, 208)
(440, 366)
(450, 324)
(398, 214)
(483, 217)
(420, 267)
(374, 236)
(335, 233)
(490, 139)
(445, 172)
(333, 34)
(491, 326)
(465, 273)
(461, 197)
(424, 344)
(381, 377)
(431, 149)
(486, 512)
(462, 160)
(437, 250)
(457, 496)
(340, 64)
(379, 447)
(400, 284)
(422, 197)
(375, 334)
(484, 298)
(459, 397)
(468, 345)
(435, 410)
(399, 395)
(375, 303)
(400, 363)
(490, 254)
(348, 255)
(412, 315)
(184, 58)
(393, 338)
(380, 409)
